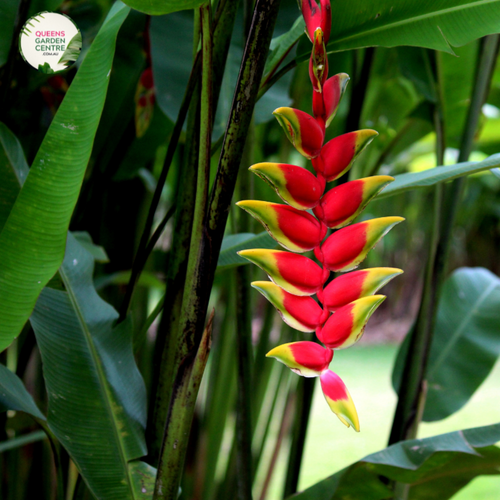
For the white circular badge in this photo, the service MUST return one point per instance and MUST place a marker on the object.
(50, 42)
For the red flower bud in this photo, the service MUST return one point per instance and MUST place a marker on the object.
(342, 204)
(294, 185)
(302, 130)
(294, 273)
(338, 155)
(346, 248)
(293, 229)
(302, 313)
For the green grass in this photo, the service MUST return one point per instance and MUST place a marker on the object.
(366, 370)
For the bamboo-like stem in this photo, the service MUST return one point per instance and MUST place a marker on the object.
(173, 453)
(178, 424)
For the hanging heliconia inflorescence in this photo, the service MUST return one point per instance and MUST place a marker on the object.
(347, 302)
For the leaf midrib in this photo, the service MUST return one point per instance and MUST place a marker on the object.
(415, 19)
(458, 332)
(101, 375)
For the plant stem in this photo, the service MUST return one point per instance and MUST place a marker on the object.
(178, 424)
(142, 251)
(305, 392)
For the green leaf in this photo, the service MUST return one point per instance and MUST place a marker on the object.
(281, 45)
(233, 243)
(466, 342)
(97, 398)
(435, 467)
(407, 182)
(439, 25)
(158, 7)
(96, 251)
(13, 171)
(72, 51)
(33, 239)
(14, 396)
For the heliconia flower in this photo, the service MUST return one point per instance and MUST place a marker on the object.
(294, 273)
(305, 358)
(294, 185)
(302, 313)
(316, 18)
(346, 325)
(342, 204)
(352, 286)
(144, 102)
(293, 229)
(318, 62)
(303, 131)
(338, 398)
(338, 155)
(325, 105)
(346, 248)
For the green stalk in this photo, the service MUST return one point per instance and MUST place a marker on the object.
(164, 363)
(174, 449)
(187, 353)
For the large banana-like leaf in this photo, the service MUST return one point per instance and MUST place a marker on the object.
(466, 342)
(440, 25)
(13, 171)
(14, 396)
(33, 238)
(435, 467)
(409, 181)
(97, 398)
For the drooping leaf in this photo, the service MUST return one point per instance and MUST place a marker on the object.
(439, 25)
(409, 181)
(97, 398)
(33, 239)
(14, 395)
(13, 171)
(98, 252)
(235, 242)
(435, 467)
(466, 341)
(158, 7)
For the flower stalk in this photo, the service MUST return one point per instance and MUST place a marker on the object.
(342, 309)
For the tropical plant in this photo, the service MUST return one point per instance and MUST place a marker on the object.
(133, 361)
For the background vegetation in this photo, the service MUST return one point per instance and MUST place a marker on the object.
(119, 332)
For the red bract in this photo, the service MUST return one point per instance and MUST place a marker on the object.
(346, 303)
